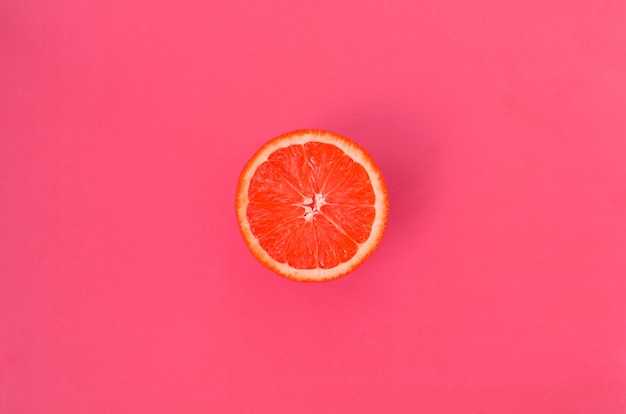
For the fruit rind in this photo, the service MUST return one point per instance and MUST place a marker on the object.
(358, 154)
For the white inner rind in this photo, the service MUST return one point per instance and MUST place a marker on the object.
(357, 154)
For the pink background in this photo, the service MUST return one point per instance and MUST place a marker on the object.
(499, 287)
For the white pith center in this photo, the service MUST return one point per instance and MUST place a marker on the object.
(312, 206)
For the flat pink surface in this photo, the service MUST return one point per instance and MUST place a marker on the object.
(500, 284)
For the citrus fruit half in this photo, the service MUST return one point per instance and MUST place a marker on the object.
(311, 205)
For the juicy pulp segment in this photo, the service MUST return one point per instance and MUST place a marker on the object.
(311, 205)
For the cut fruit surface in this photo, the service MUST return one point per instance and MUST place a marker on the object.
(311, 205)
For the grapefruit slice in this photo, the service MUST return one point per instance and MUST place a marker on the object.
(311, 205)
